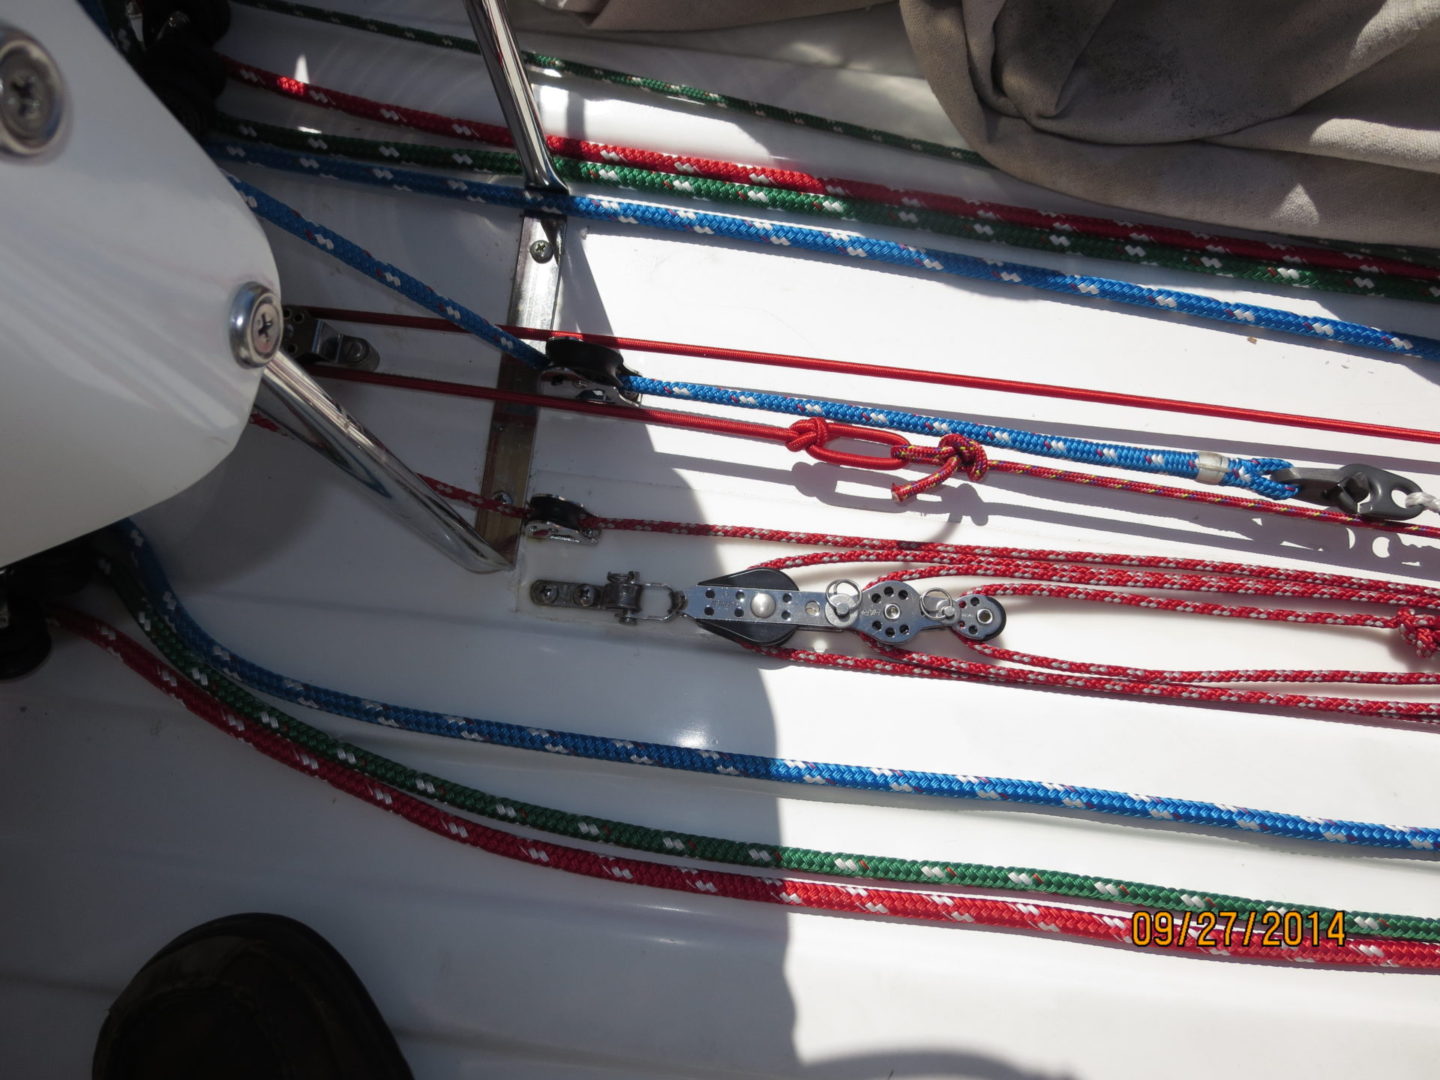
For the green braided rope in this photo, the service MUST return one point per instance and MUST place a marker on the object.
(835, 207)
(623, 78)
(708, 848)
(1419, 256)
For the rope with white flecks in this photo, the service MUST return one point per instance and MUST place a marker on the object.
(725, 763)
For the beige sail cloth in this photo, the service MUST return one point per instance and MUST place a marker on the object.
(1314, 117)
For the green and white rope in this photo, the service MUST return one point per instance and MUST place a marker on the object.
(756, 854)
(836, 208)
(560, 66)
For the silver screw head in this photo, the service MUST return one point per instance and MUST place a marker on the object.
(256, 325)
(891, 611)
(542, 250)
(32, 95)
(762, 605)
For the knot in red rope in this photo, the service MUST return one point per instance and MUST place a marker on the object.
(814, 433)
(1420, 632)
(951, 453)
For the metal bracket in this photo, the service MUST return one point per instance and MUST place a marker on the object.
(314, 341)
(1358, 490)
(764, 606)
(511, 441)
(622, 593)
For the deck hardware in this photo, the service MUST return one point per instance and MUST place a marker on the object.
(764, 607)
(622, 593)
(1359, 490)
(32, 95)
(553, 518)
(295, 402)
(255, 325)
(593, 372)
(314, 341)
(517, 98)
(510, 443)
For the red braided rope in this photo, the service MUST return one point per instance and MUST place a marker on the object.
(931, 666)
(952, 452)
(794, 180)
(1147, 682)
(1111, 927)
(939, 378)
(496, 135)
(722, 426)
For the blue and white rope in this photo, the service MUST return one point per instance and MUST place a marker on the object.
(754, 766)
(1249, 473)
(836, 242)
(412, 288)
(1240, 472)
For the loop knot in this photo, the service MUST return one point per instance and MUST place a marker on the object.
(1420, 632)
(813, 433)
(951, 453)
(808, 433)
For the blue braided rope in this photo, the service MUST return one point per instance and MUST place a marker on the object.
(412, 288)
(754, 766)
(1242, 472)
(838, 242)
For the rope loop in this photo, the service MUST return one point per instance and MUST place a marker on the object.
(1420, 632)
(951, 453)
(814, 433)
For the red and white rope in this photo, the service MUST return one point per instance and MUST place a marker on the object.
(1109, 927)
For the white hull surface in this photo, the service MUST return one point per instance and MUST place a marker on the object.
(126, 821)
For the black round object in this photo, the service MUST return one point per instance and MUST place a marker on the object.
(187, 101)
(184, 54)
(24, 638)
(54, 573)
(247, 997)
(207, 19)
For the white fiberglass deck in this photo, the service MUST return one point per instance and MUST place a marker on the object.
(126, 821)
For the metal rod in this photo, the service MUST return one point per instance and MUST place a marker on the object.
(298, 404)
(510, 445)
(517, 100)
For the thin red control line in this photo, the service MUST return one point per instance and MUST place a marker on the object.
(795, 180)
(721, 426)
(1110, 927)
(1125, 682)
(940, 378)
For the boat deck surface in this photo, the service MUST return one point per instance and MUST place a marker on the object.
(126, 821)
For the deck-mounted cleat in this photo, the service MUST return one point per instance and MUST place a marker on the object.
(594, 372)
(1359, 490)
(553, 518)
